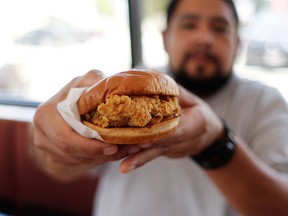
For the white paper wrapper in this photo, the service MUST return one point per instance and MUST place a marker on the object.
(69, 111)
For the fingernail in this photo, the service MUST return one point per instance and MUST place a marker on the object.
(129, 168)
(132, 167)
(110, 150)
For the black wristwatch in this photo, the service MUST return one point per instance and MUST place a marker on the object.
(219, 153)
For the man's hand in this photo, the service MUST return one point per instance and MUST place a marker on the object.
(199, 126)
(58, 149)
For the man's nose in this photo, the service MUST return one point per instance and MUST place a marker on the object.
(203, 38)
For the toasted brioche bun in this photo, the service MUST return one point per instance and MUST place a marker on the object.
(131, 83)
(135, 135)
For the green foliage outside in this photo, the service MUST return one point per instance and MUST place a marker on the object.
(105, 7)
(152, 7)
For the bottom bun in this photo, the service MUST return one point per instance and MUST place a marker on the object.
(135, 135)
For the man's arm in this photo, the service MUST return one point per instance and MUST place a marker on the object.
(251, 186)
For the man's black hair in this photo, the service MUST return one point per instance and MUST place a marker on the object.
(173, 5)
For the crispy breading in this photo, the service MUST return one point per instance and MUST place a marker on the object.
(135, 111)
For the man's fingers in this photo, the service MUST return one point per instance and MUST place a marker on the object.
(186, 98)
(141, 158)
(90, 78)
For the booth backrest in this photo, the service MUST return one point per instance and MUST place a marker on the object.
(25, 190)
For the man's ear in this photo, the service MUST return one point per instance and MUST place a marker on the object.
(238, 45)
(164, 38)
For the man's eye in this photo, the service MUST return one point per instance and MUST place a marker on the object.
(219, 29)
(188, 26)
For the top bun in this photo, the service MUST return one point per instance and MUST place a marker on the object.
(132, 82)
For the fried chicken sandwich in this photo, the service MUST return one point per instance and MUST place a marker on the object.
(131, 107)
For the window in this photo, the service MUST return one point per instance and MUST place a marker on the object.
(44, 44)
(264, 33)
(153, 23)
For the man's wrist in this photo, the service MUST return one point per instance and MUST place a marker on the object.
(219, 153)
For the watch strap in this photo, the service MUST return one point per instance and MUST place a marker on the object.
(219, 153)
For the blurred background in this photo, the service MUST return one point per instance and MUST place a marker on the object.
(44, 44)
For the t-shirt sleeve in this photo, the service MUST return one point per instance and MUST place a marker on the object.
(269, 129)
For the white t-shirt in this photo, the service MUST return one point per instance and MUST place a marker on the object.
(172, 187)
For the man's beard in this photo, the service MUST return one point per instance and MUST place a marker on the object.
(200, 85)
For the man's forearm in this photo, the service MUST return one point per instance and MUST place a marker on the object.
(252, 187)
